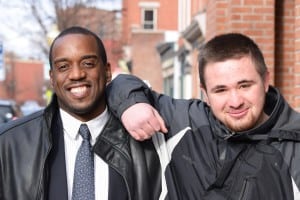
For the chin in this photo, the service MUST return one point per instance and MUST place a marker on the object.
(239, 126)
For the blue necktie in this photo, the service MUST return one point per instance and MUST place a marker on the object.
(83, 183)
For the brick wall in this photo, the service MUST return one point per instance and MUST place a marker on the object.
(284, 48)
(296, 38)
(145, 59)
(24, 81)
(254, 18)
(29, 81)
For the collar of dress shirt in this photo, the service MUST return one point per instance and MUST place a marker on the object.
(71, 125)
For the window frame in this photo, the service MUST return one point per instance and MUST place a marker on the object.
(145, 22)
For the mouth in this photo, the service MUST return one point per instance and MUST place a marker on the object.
(238, 114)
(79, 92)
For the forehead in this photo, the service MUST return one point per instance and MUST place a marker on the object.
(230, 71)
(74, 42)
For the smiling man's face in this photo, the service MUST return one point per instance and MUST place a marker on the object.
(78, 76)
(236, 93)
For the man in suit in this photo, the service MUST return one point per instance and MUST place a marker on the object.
(38, 153)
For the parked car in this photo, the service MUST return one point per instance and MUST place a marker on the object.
(8, 110)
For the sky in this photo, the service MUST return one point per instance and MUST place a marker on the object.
(12, 16)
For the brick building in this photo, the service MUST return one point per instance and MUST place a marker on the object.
(273, 24)
(24, 80)
(145, 24)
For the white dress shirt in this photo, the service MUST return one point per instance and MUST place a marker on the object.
(72, 141)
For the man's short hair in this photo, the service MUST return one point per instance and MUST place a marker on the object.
(83, 31)
(230, 46)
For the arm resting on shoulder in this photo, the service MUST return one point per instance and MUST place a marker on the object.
(129, 100)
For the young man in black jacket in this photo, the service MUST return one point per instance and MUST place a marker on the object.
(243, 142)
(38, 152)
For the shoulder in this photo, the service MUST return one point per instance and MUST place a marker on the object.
(21, 124)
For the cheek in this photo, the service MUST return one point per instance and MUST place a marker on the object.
(217, 104)
(258, 102)
(257, 99)
(57, 81)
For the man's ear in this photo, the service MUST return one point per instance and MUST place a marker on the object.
(267, 81)
(51, 78)
(204, 93)
(108, 73)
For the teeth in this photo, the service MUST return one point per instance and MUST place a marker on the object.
(78, 91)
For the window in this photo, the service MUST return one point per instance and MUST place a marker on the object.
(148, 19)
(149, 14)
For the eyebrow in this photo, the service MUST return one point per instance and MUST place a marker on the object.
(224, 86)
(246, 81)
(82, 58)
(89, 56)
(60, 60)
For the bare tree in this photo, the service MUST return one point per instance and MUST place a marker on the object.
(40, 18)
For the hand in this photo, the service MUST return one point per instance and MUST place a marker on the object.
(142, 121)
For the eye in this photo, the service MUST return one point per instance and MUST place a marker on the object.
(219, 90)
(62, 67)
(88, 63)
(245, 85)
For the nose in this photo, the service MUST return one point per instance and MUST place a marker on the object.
(77, 73)
(235, 99)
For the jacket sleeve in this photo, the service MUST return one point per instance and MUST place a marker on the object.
(126, 90)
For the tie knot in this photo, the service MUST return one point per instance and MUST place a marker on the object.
(84, 132)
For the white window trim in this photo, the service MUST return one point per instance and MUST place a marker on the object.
(149, 4)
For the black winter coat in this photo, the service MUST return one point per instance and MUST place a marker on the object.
(208, 161)
(25, 145)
